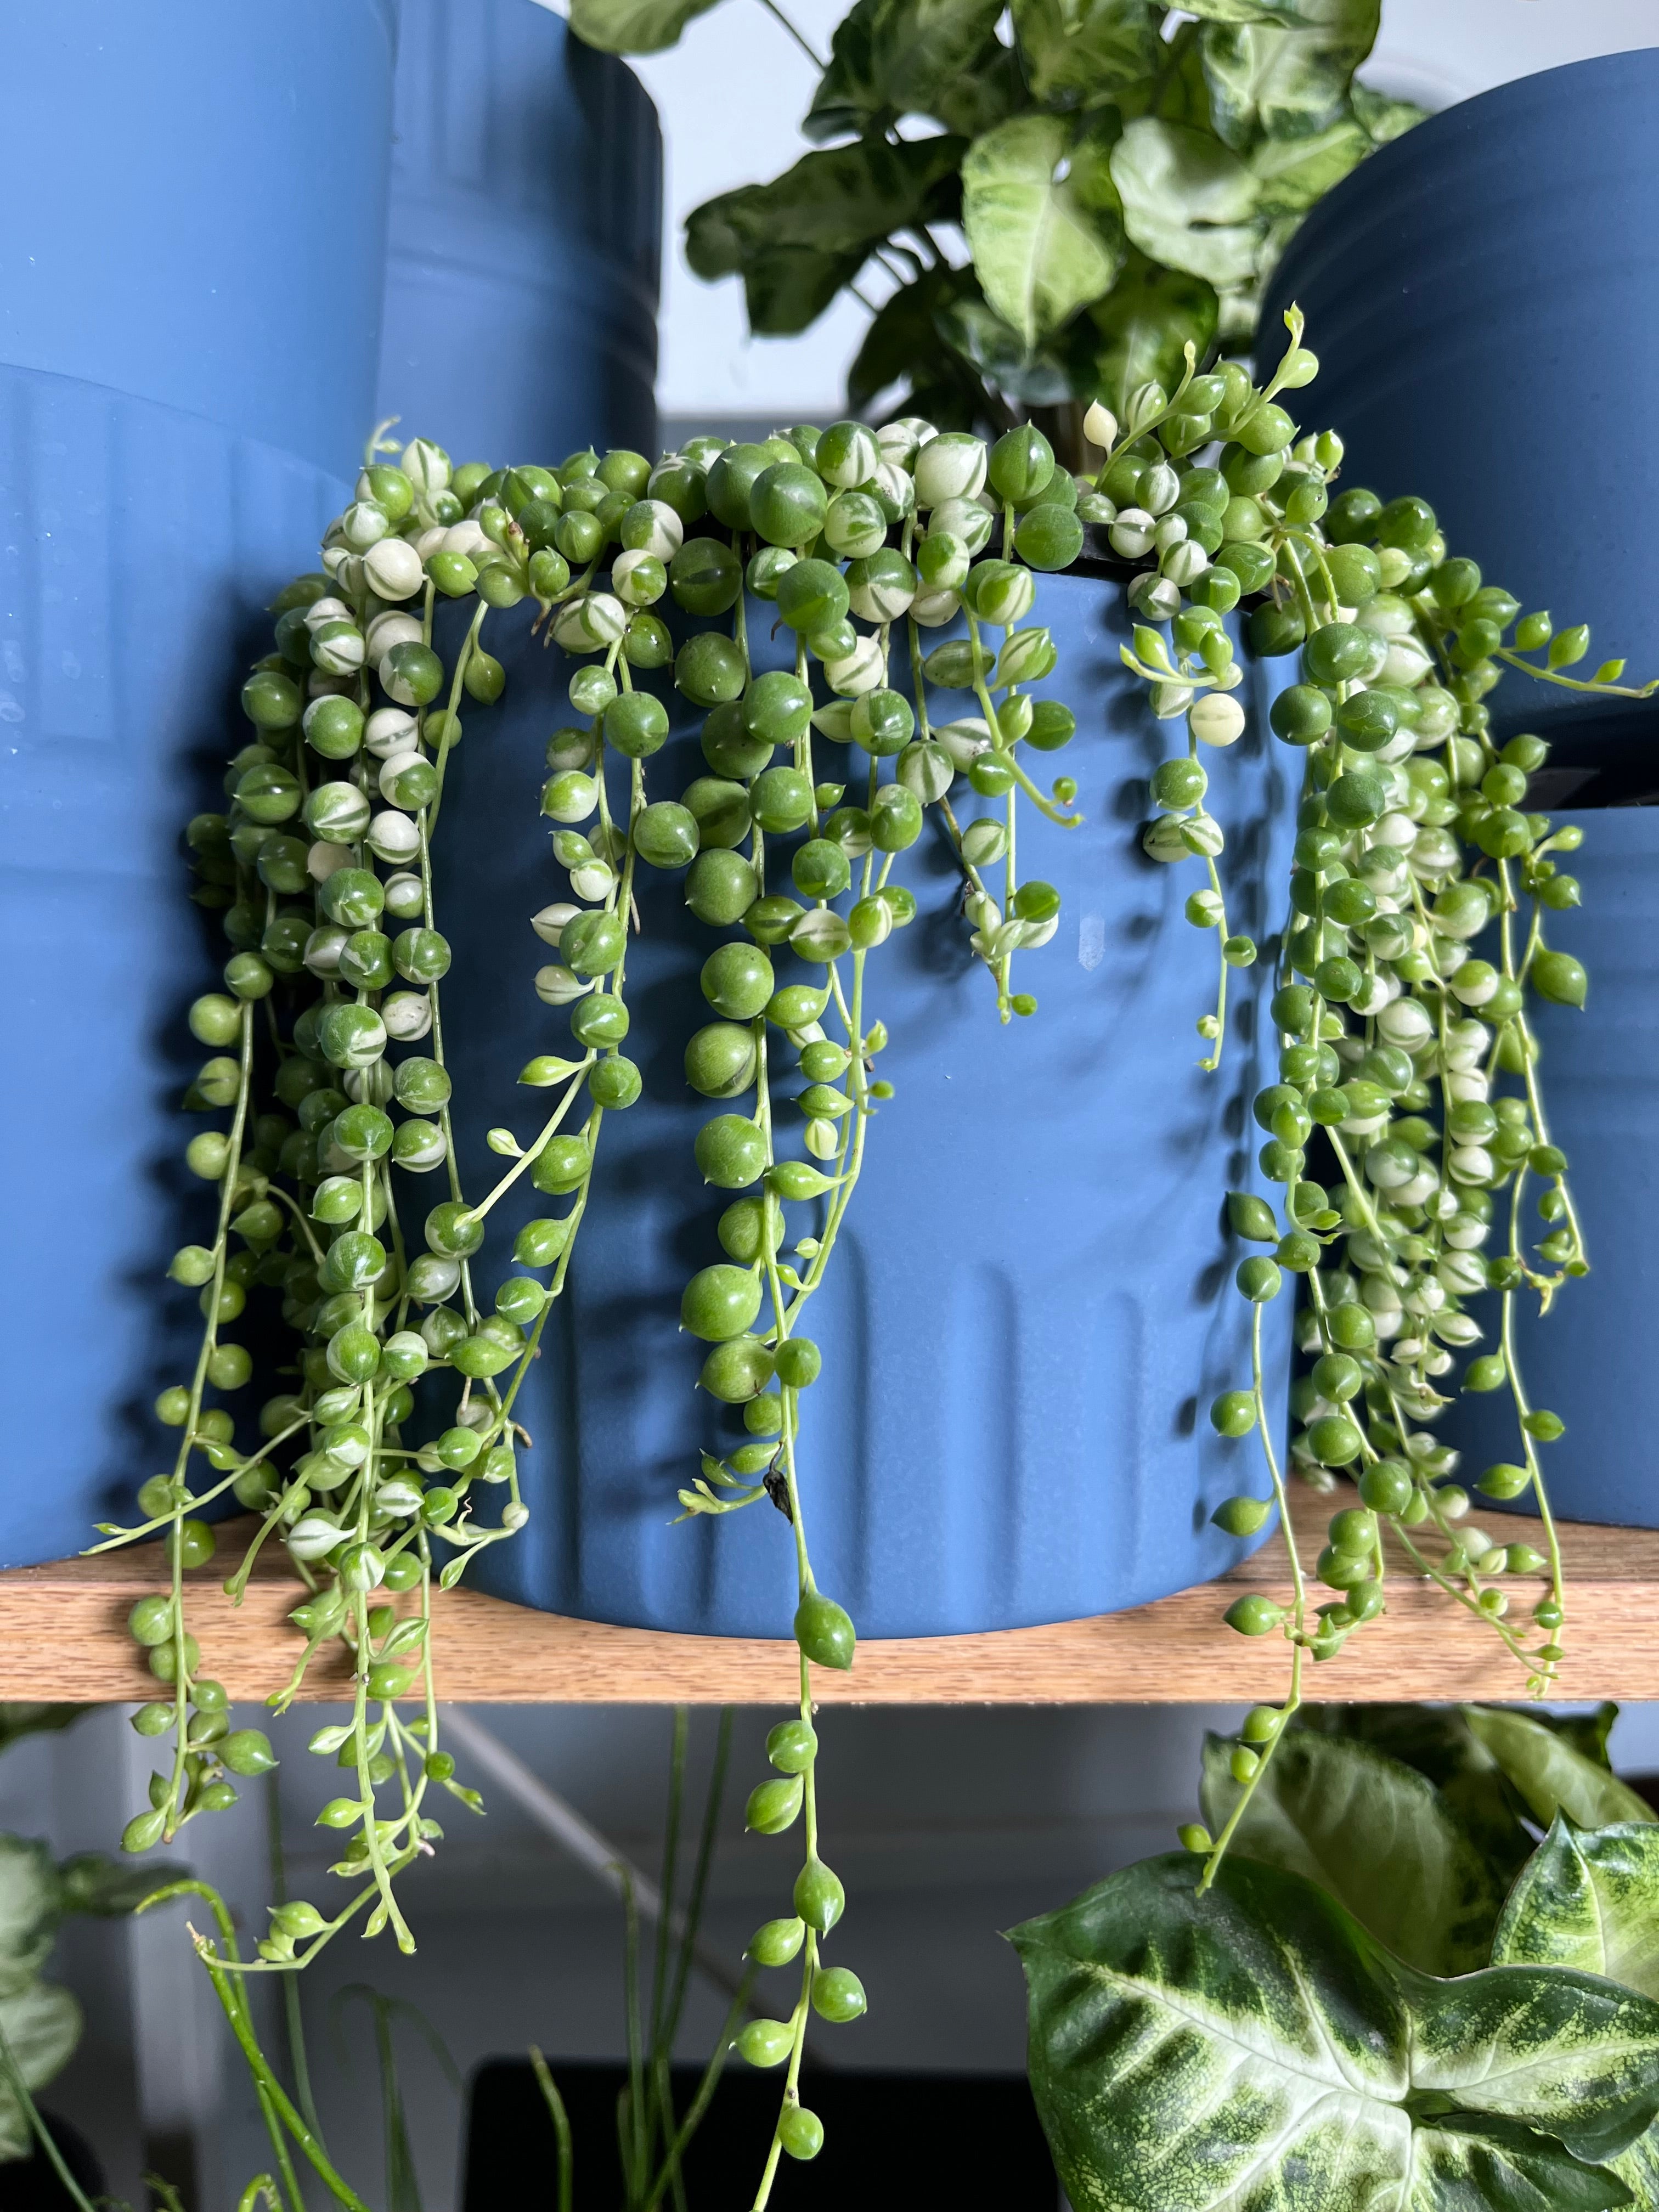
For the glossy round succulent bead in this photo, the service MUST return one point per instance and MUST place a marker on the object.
(824, 1631)
(730, 1151)
(737, 1370)
(787, 504)
(720, 1060)
(721, 1302)
(776, 709)
(738, 981)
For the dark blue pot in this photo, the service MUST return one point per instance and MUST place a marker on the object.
(1483, 295)
(195, 207)
(140, 545)
(1590, 1359)
(1030, 1306)
(525, 238)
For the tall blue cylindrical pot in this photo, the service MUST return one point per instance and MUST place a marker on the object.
(189, 298)
(140, 545)
(524, 240)
(1590, 1359)
(1030, 1303)
(196, 207)
(1483, 295)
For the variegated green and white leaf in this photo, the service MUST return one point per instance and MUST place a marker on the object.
(1288, 79)
(1377, 1835)
(41, 2025)
(1080, 49)
(1254, 2050)
(1294, 172)
(1551, 1776)
(1139, 332)
(1494, 2163)
(1041, 219)
(1568, 2053)
(1188, 202)
(31, 1904)
(1589, 1899)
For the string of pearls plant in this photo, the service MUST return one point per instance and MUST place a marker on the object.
(1408, 1067)
(392, 1424)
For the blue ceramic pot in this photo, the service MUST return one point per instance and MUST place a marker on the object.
(525, 238)
(1483, 295)
(140, 545)
(1590, 1358)
(196, 207)
(1030, 1305)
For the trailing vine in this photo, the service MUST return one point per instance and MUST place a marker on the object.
(393, 1427)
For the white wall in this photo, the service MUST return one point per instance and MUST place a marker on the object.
(731, 94)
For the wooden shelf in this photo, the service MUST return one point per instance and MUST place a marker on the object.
(61, 1637)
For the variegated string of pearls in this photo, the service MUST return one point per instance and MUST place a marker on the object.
(804, 522)
(863, 542)
(319, 868)
(1408, 1076)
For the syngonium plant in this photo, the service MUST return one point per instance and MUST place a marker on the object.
(1392, 1998)
(1124, 174)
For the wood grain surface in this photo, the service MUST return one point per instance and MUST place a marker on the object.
(61, 1637)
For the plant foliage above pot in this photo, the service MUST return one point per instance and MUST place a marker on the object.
(393, 1426)
(1388, 1992)
(1125, 180)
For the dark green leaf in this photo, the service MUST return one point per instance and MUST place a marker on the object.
(1465, 2160)
(1552, 1776)
(979, 98)
(22, 1720)
(633, 27)
(831, 208)
(1085, 50)
(980, 335)
(1254, 2047)
(895, 57)
(1590, 1732)
(109, 1887)
(1589, 1899)
(902, 344)
(1271, 81)
(1188, 202)
(849, 99)
(1136, 334)
(1041, 213)
(1374, 1833)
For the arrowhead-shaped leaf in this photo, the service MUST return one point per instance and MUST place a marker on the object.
(1588, 1898)
(894, 58)
(1136, 335)
(1377, 1835)
(41, 2025)
(1270, 79)
(1041, 213)
(1189, 201)
(1074, 49)
(31, 1904)
(1550, 1774)
(1253, 2047)
(827, 214)
(1470, 2161)
(633, 27)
